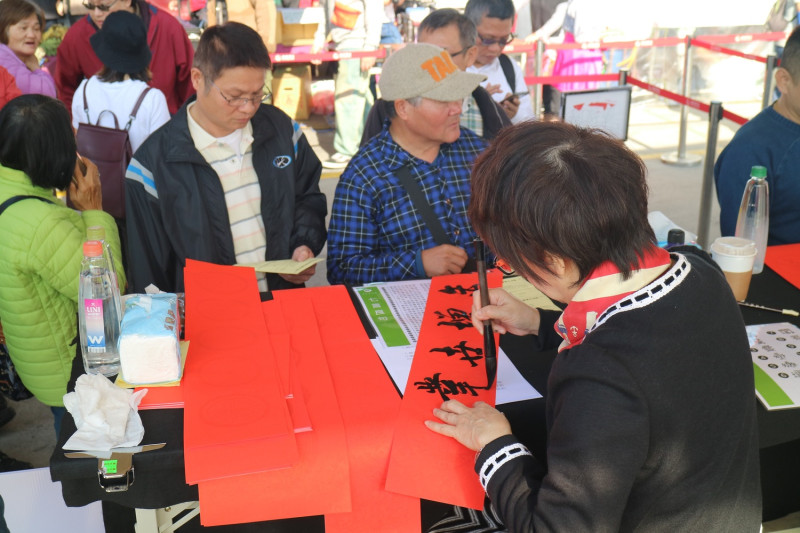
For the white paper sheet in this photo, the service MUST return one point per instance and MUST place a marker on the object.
(398, 307)
(776, 362)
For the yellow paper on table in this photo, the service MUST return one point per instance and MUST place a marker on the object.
(125, 385)
(284, 266)
(518, 287)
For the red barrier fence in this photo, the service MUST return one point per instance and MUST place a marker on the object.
(706, 41)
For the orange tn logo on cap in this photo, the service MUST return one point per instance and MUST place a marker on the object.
(439, 67)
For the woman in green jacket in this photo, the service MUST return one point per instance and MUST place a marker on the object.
(40, 242)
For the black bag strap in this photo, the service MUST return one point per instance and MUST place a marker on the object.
(508, 71)
(15, 199)
(422, 206)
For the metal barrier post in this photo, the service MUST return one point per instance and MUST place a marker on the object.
(623, 77)
(680, 158)
(769, 81)
(707, 189)
(537, 89)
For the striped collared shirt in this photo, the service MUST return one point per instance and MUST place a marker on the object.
(231, 158)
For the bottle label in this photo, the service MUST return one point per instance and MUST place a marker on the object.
(95, 332)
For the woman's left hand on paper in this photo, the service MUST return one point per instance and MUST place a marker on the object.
(474, 427)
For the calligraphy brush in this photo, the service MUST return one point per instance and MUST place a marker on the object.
(790, 312)
(489, 348)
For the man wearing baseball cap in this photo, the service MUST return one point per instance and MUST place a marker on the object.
(400, 208)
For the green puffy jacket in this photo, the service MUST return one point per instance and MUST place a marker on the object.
(40, 260)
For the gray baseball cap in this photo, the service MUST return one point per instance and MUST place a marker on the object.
(425, 70)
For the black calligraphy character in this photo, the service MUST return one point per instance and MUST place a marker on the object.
(445, 387)
(458, 318)
(458, 289)
(462, 348)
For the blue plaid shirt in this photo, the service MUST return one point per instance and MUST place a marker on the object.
(375, 233)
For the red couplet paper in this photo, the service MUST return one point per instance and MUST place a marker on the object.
(785, 260)
(448, 364)
(162, 398)
(369, 404)
(319, 482)
(235, 417)
(287, 367)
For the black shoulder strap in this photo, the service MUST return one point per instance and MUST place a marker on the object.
(422, 206)
(508, 70)
(15, 199)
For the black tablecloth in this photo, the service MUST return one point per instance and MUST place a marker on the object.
(160, 475)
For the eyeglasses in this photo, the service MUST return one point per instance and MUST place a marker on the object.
(240, 101)
(454, 54)
(489, 42)
(101, 7)
(504, 267)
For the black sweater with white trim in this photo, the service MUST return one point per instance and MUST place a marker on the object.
(651, 420)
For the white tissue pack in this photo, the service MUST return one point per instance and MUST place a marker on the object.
(149, 341)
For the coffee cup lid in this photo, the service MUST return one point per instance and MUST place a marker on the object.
(734, 246)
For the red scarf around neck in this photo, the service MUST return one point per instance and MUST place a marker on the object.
(603, 288)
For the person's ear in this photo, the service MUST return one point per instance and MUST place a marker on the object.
(557, 265)
(783, 80)
(198, 80)
(401, 108)
(470, 56)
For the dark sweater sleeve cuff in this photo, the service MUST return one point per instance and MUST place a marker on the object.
(497, 454)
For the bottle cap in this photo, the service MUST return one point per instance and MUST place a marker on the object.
(758, 172)
(676, 236)
(92, 249)
(96, 233)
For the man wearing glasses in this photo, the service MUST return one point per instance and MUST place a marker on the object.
(228, 179)
(505, 81)
(171, 49)
(449, 29)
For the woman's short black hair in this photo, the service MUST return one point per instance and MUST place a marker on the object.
(546, 189)
(110, 75)
(229, 45)
(36, 137)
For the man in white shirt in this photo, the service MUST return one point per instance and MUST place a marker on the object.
(494, 20)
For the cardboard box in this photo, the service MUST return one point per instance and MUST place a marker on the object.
(291, 90)
(296, 27)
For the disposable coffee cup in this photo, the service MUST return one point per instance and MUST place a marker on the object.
(735, 256)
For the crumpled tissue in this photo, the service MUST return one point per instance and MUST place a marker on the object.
(106, 416)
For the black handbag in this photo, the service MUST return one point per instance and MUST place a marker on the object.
(10, 384)
(109, 149)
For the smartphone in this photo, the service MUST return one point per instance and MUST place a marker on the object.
(81, 165)
(510, 96)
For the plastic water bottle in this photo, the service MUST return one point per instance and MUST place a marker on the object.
(753, 221)
(99, 320)
(98, 233)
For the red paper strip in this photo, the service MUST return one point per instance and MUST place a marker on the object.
(235, 417)
(162, 398)
(448, 364)
(785, 260)
(290, 381)
(369, 404)
(319, 482)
